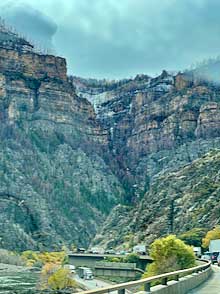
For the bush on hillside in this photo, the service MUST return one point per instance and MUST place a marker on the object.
(9, 257)
(32, 258)
(193, 237)
(211, 235)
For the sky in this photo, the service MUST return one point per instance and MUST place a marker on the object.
(120, 38)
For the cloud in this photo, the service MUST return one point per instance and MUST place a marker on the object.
(111, 38)
(28, 21)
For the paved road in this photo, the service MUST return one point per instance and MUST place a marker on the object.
(212, 286)
(92, 284)
(95, 284)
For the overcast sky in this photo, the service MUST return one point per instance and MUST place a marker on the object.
(120, 38)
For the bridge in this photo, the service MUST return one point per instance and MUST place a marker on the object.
(211, 286)
(178, 282)
(89, 259)
(117, 269)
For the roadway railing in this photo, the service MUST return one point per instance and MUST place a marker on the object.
(146, 283)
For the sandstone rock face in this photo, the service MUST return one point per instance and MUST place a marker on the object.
(72, 150)
(151, 122)
(156, 127)
(56, 186)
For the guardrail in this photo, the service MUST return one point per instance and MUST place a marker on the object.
(121, 288)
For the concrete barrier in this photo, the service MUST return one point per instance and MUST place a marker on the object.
(184, 285)
(193, 277)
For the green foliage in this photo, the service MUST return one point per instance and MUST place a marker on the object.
(169, 254)
(9, 257)
(211, 235)
(193, 237)
(131, 258)
(114, 259)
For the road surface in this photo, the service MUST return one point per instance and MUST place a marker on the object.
(212, 286)
(95, 284)
(92, 284)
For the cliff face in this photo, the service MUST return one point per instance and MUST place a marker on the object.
(156, 127)
(157, 124)
(56, 187)
(71, 150)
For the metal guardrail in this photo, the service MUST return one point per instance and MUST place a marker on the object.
(121, 288)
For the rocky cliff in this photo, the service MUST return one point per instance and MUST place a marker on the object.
(157, 124)
(56, 187)
(156, 127)
(77, 155)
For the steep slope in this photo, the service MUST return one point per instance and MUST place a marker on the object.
(176, 202)
(55, 187)
(156, 124)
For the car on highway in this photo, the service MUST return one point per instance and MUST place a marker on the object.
(110, 251)
(71, 268)
(214, 257)
(81, 250)
(206, 256)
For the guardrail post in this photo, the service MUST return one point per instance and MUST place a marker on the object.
(121, 291)
(164, 281)
(147, 287)
(176, 278)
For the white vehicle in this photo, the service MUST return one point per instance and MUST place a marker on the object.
(85, 273)
(214, 246)
(140, 249)
(96, 250)
(197, 251)
(70, 267)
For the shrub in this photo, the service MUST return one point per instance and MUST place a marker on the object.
(55, 277)
(169, 254)
(131, 258)
(211, 235)
(193, 237)
(9, 257)
(31, 257)
(61, 279)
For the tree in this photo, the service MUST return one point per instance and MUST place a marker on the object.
(61, 279)
(169, 254)
(211, 235)
(55, 277)
(193, 237)
(131, 258)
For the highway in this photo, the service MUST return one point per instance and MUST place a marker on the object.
(92, 284)
(211, 286)
(95, 284)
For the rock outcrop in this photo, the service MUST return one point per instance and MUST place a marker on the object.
(156, 127)
(76, 153)
(56, 187)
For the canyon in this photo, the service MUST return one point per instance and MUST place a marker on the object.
(87, 161)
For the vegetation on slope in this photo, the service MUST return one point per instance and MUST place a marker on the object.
(176, 202)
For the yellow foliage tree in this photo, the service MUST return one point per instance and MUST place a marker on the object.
(211, 235)
(55, 277)
(31, 257)
(169, 254)
(61, 279)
